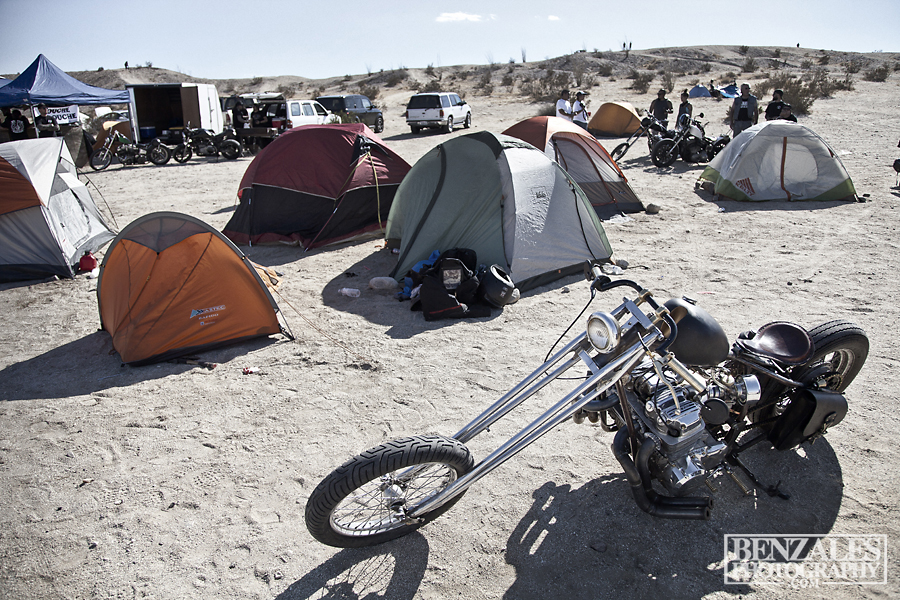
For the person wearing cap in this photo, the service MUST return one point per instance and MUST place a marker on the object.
(579, 111)
(744, 111)
(46, 126)
(563, 108)
(661, 108)
(773, 110)
(786, 113)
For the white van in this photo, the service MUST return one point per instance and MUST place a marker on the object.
(442, 110)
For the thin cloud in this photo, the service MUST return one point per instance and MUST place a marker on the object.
(457, 16)
(552, 18)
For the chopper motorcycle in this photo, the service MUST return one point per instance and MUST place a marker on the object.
(127, 152)
(689, 141)
(203, 142)
(652, 127)
(682, 405)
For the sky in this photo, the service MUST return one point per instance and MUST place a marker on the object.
(254, 38)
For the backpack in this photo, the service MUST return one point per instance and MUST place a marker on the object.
(449, 288)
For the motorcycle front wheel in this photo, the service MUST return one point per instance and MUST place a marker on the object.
(664, 153)
(159, 155)
(182, 153)
(101, 159)
(230, 149)
(619, 151)
(364, 501)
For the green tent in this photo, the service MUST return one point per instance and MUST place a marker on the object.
(502, 198)
(778, 160)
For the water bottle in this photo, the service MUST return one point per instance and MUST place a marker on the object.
(352, 292)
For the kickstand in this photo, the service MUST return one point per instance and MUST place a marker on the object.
(771, 490)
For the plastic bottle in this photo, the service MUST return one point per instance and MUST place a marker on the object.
(352, 292)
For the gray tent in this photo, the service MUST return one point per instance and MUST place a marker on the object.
(48, 219)
(502, 198)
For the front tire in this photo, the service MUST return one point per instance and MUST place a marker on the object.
(231, 149)
(159, 155)
(664, 153)
(449, 128)
(182, 153)
(362, 502)
(379, 125)
(619, 151)
(101, 159)
(468, 122)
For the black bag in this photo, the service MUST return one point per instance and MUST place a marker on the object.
(449, 288)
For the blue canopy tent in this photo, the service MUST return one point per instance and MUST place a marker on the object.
(699, 91)
(44, 82)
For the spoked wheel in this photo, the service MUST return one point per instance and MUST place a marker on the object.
(365, 501)
(619, 151)
(230, 149)
(664, 153)
(101, 159)
(182, 153)
(159, 155)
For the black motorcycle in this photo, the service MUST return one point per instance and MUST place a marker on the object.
(127, 152)
(204, 142)
(683, 404)
(652, 127)
(689, 141)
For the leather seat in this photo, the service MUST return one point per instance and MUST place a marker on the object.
(781, 341)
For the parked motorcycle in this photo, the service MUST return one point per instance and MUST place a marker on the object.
(682, 403)
(204, 142)
(127, 152)
(651, 126)
(689, 141)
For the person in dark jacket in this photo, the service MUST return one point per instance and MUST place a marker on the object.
(773, 110)
(661, 108)
(18, 125)
(46, 126)
(744, 111)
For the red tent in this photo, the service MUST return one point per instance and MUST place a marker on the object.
(317, 185)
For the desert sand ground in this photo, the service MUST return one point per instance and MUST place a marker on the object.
(175, 481)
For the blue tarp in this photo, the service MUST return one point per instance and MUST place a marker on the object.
(44, 82)
(698, 91)
(4, 81)
(730, 91)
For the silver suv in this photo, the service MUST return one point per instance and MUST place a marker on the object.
(439, 110)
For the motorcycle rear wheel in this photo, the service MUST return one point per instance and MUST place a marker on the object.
(159, 155)
(619, 151)
(361, 503)
(841, 350)
(182, 153)
(101, 159)
(231, 149)
(664, 153)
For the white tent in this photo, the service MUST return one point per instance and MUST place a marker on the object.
(48, 219)
(502, 198)
(778, 160)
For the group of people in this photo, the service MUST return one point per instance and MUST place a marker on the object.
(18, 125)
(575, 112)
(745, 110)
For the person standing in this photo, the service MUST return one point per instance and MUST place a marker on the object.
(46, 126)
(661, 108)
(239, 117)
(744, 111)
(685, 108)
(563, 108)
(18, 125)
(773, 110)
(579, 111)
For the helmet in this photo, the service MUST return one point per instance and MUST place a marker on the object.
(496, 287)
(684, 119)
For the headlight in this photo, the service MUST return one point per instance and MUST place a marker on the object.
(603, 332)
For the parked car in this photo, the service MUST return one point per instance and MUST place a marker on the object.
(276, 114)
(358, 107)
(437, 110)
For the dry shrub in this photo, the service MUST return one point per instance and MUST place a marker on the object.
(878, 74)
(604, 69)
(668, 81)
(641, 83)
(369, 91)
(749, 65)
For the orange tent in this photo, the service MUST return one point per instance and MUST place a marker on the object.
(615, 119)
(585, 160)
(171, 285)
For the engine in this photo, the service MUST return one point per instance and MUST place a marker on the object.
(676, 418)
